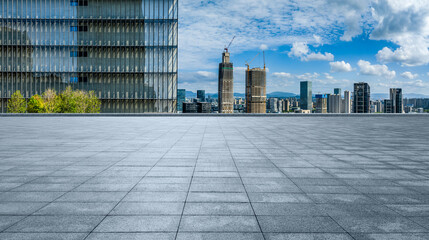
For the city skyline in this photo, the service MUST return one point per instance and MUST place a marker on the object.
(357, 41)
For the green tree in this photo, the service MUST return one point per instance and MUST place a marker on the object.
(16, 103)
(93, 103)
(52, 102)
(36, 105)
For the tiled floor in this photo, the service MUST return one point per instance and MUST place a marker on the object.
(214, 178)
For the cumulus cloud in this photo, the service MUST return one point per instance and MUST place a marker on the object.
(282, 75)
(409, 75)
(366, 68)
(405, 23)
(263, 47)
(302, 51)
(340, 67)
(206, 74)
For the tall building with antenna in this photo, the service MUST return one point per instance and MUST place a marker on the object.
(256, 89)
(226, 83)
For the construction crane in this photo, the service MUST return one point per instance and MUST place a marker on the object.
(226, 48)
(248, 63)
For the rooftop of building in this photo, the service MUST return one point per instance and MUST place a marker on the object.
(165, 177)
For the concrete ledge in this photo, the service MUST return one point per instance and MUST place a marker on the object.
(208, 115)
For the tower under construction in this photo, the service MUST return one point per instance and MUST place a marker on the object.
(256, 90)
(226, 83)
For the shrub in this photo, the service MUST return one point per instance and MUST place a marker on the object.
(36, 105)
(16, 103)
(79, 101)
(52, 102)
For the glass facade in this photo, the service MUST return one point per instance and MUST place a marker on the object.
(125, 51)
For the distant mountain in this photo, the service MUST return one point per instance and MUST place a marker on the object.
(190, 94)
(382, 96)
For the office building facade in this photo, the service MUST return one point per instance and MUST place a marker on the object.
(306, 95)
(337, 91)
(201, 95)
(347, 104)
(361, 98)
(256, 90)
(396, 100)
(124, 51)
(226, 85)
(181, 98)
(334, 103)
(321, 103)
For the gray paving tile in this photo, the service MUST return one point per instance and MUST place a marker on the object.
(218, 209)
(378, 224)
(134, 224)
(29, 196)
(7, 221)
(219, 224)
(92, 197)
(307, 236)
(131, 236)
(20, 208)
(56, 224)
(216, 236)
(305, 224)
(148, 208)
(391, 236)
(76, 208)
(43, 236)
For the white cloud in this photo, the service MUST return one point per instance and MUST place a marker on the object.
(207, 26)
(328, 76)
(340, 67)
(263, 47)
(405, 23)
(409, 75)
(302, 51)
(308, 76)
(375, 70)
(206, 74)
(320, 57)
(282, 75)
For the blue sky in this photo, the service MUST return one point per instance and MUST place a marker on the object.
(333, 43)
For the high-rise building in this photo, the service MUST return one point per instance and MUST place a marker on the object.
(226, 84)
(347, 106)
(396, 100)
(201, 95)
(361, 98)
(190, 107)
(337, 91)
(335, 103)
(388, 106)
(256, 92)
(124, 51)
(181, 98)
(321, 103)
(273, 105)
(204, 107)
(306, 95)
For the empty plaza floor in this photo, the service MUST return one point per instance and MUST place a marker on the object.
(121, 178)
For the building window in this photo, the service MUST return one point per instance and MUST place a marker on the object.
(76, 3)
(78, 54)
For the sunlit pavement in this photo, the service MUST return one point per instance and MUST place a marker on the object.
(214, 178)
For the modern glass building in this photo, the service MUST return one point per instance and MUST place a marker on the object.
(306, 95)
(125, 51)
(362, 98)
(181, 98)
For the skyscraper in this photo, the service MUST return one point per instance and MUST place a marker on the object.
(347, 106)
(201, 95)
(125, 51)
(396, 100)
(226, 84)
(337, 91)
(334, 103)
(321, 103)
(306, 96)
(256, 92)
(388, 106)
(361, 98)
(181, 98)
